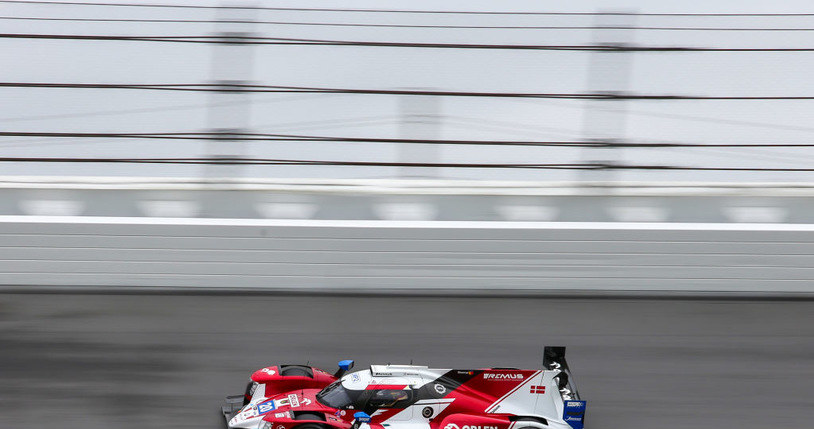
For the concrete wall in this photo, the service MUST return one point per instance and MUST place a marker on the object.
(489, 257)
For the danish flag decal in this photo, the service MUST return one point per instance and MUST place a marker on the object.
(539, 390)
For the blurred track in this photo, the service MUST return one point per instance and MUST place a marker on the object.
(146, 361)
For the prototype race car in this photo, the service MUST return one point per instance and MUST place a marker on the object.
(409, 396)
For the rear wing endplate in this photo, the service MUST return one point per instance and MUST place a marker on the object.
(554, 358)
(573, 406)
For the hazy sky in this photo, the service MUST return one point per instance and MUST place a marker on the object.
(716, 73)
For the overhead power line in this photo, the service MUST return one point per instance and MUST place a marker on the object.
(281, 41)
(267, 161)
(232, 87)
(407, 11)
(294, 162)
(434, 26)
(351, 139)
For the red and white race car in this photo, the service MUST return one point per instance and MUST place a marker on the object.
(410, 397)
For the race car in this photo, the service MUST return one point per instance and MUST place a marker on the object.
(410, 397)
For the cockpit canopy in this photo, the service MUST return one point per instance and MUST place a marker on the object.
(337, 396)
(370, 390)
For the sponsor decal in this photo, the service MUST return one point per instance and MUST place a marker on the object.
(465, 372)
(281, 427)
(539, 390)
(354, 377)
(306, 401)
(250, 413)
(253, 388)
(268, 371)
(426, 412)
(502, 377)
(342, 413)
(440, 388)
(281, 415)
(454, 426)
(293, 401)
(265, 407)
(573, 414)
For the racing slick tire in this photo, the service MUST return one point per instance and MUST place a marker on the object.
(295, 370)
(535, 420)
(309, 416)
(310, 426)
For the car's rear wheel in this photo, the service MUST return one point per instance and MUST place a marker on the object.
(520, 421)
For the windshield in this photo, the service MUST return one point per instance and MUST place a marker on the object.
(336, 396)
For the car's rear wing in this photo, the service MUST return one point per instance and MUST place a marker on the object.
(554, 358)
(573, 406)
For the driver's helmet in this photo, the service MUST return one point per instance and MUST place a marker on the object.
(390, 397)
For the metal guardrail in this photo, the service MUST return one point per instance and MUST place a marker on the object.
(393, 256)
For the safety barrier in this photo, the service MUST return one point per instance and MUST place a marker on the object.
(407, 256)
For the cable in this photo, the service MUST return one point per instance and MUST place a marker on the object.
(286, 137)
(310, 138)
(367, 25)
(449, 12)
(254, 40)
(232, 87)
(303, 125)
(266, 161)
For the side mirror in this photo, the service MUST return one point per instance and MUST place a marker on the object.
(344, 366)
(361, 417)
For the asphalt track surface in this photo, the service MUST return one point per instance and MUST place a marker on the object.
(157, 361)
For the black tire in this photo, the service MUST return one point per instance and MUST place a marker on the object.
(295, 371)
(310, 426)
(309, 416)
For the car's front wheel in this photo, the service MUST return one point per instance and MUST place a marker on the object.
(310, 425)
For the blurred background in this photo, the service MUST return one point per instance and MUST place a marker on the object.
(191, 190)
